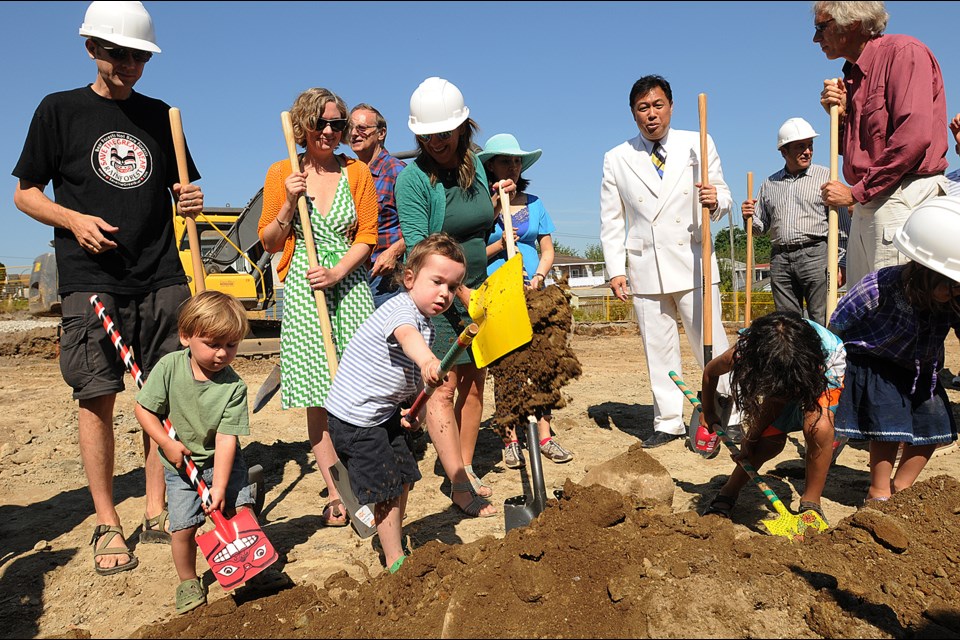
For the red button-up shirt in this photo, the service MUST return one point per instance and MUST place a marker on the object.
(896, 116)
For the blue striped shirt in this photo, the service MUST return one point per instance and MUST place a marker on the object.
(791, 210)
(375, 375)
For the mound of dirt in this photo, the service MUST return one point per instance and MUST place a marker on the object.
(527, 381)
(42, 343)
(596, 565)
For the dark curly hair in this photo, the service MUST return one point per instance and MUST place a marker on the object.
(779, 356)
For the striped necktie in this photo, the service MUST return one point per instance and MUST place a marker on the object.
(659, 157)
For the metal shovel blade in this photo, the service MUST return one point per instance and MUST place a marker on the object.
(519, 511)
(268, 389)
(237, 549)
(360, 515)
(499, 306)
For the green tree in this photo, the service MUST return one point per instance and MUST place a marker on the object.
(761, 245)
(563, 249)
(594, 253)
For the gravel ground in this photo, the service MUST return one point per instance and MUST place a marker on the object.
(14, 326)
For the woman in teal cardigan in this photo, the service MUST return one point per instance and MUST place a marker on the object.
(445, 189)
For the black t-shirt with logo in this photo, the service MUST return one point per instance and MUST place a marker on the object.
(113, 159)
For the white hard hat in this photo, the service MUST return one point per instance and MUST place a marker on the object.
(929, 236)
(794, 129)
(436, 106)
(125, 24)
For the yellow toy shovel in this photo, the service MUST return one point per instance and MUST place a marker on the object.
(499, 306)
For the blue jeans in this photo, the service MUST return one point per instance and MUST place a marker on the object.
(383, 288)
(798, 278)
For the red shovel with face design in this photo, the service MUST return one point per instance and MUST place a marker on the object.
(237, 549)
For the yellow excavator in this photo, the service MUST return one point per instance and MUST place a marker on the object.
(234, 262)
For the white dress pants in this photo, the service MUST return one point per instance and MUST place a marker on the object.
(656, 316)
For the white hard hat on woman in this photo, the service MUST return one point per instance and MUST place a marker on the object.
(929, 236)
(125, 24)
(436, 106)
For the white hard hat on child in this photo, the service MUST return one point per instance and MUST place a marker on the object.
(436, 106)
(929, 236)
(125, 24)
(794, 129)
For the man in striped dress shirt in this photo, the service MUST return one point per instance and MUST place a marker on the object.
(789, 208)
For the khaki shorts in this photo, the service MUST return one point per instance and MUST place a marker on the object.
(873, 225)
(147, 323)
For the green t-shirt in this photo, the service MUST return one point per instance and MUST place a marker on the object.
(198, 410)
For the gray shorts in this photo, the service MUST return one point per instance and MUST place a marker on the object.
(183, 501)
(147, 323)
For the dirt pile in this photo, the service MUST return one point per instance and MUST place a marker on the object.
(596, 565)
(527, 381)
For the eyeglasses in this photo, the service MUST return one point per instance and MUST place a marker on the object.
(337, 124)
(119, 54)
(442, 136)
(364, 129)
(820, 27)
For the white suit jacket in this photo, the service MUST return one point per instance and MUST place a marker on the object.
(650, 228)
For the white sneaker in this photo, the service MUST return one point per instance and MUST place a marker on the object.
(513, 456)
(555, 452)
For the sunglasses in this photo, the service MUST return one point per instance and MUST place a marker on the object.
(363, 129)
(820, 27)
(119, 54)
(337, 124)
(442, 136)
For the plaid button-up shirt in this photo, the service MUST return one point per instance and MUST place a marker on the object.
(385, 168)
(874, 318)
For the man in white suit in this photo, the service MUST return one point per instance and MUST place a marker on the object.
(650, 232)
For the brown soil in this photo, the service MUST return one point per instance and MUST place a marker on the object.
(595, 564)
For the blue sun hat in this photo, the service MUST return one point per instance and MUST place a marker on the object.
(504, 144)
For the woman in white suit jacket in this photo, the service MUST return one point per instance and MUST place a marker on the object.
(650, 231)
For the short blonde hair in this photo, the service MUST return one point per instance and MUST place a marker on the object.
(307, 108)
(212, 314)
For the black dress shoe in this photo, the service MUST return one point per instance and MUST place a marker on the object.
(660, 438)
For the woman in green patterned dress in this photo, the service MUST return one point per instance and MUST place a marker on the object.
(342, 203)
(445, 189)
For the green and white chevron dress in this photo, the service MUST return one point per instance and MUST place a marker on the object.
(304, 375)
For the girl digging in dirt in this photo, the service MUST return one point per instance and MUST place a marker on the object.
(894, 323)
(503, 159)
(786, 375)
(388, 361)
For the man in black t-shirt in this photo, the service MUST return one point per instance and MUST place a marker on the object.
(109, 153)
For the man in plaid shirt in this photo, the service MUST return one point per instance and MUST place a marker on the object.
(368, 131)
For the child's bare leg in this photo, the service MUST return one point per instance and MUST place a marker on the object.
(818, 436)
(184, 546)
(882, 457)
(757, 455)
(912, 462)
(390, 527)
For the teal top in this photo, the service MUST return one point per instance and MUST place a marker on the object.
(422, 208)
(198, 410)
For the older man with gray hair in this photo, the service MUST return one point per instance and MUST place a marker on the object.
(893, 122)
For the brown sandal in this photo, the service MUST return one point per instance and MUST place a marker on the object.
(334, 515)
(107, 534)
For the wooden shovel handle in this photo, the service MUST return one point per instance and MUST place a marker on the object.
(180, 148)
(507, 222)
(318, 294)
(463, 342)
(705, 238)
(833, 217)
(749, 279)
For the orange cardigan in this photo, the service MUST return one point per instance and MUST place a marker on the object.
(364, 198)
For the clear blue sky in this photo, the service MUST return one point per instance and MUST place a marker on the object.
(556, 75)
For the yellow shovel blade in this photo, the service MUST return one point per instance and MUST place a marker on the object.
(500, 308)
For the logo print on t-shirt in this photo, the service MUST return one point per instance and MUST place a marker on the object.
(121, 160)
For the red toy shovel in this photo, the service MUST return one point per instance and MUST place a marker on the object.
(237, 549)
